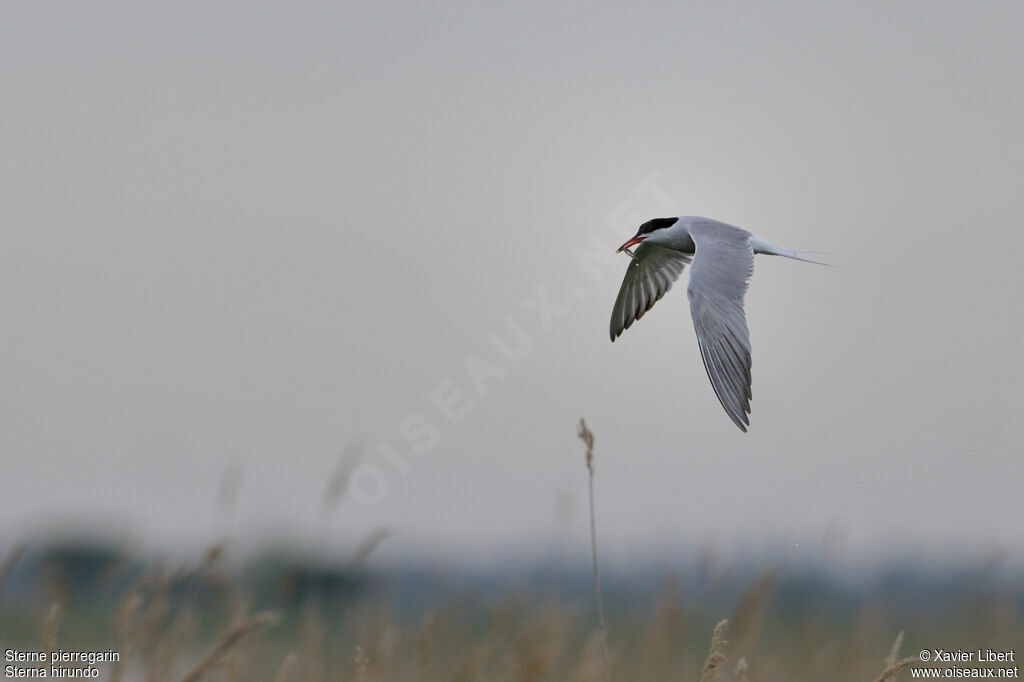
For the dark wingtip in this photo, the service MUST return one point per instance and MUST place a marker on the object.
(741, 421)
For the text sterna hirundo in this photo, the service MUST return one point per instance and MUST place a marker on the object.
(723, 261)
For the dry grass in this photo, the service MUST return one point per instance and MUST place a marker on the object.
(587, 437)
(716, 655)
(191, 626)
(742, 671)
(227, 642)
(164, 635)
(896, 667)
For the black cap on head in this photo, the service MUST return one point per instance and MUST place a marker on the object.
(656, 224)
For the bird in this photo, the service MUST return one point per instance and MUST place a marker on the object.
(721, 259)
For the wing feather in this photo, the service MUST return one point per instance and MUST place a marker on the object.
(722, 265)
(650, 274)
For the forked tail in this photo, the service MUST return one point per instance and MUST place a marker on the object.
(767, 247)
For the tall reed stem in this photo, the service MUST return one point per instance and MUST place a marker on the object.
(587, 436)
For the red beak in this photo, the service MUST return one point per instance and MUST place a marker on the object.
(632, 242)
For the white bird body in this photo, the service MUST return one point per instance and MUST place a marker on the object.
(722, 258)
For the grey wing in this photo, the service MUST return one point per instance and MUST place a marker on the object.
(722, 265)
(650, 274)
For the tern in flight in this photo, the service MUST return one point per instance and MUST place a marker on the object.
(722, 259)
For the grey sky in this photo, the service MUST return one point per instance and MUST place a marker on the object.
(250, 234)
